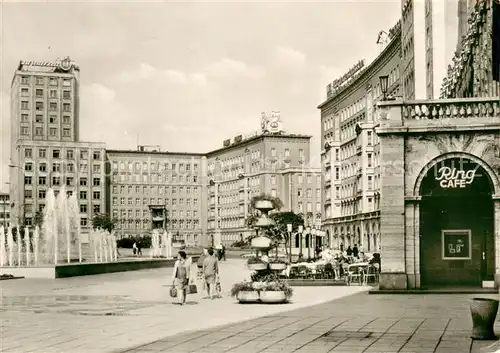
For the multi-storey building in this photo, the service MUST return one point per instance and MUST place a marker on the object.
(350, 158)
(273, 162)
(428, 41)
(4, 209)
(45, 147)
(138, 180)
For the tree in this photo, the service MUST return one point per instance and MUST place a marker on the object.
(38, 219)
(103, 221)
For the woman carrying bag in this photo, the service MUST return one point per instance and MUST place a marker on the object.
(180, 277)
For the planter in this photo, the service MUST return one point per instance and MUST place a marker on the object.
(257, 266)
(272, 297)
(484, 312)
(261, 243)
(248, 297)
(277, 266)
(264, 205)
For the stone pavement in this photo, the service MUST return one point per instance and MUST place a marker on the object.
(354, 324)
(114, 312)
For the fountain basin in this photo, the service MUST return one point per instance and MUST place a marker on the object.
(86, 269)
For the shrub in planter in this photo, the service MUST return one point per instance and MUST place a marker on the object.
(277, 264)
(280, 286)
(242, 287)
(255, 263)
(255, 260)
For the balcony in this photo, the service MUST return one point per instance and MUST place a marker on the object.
(328, 183)
(359, 172)
(328, 164)
(359, 150)
(461, 114)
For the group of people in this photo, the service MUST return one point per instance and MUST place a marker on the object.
(208, 274)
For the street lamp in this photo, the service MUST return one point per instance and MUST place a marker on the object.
(289, 230)
(384, 85)
(308, 237)
(23, 197)
(300, 230)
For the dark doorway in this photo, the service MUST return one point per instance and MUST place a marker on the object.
(456, 225)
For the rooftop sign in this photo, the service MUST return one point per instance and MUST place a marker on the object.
(349, 74)
(65, 64)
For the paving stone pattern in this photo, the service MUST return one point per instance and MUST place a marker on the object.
(359, 323)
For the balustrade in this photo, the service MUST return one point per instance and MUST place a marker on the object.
(451, 109)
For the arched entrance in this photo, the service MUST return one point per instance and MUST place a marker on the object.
(456, 224)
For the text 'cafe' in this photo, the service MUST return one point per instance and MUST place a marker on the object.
(440, 214)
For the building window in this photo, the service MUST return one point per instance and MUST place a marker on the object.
(28, 153)
(66, 94)
(56, 154)
(66, 132)
(66, 83)
(83, 222)
(42, 180)
(39, 80)
(39, 131)
(273, 179)
(369, 160)
(39, 93)
(53, 93)
(25, 80)
(56, 167)
(337, 155)
(300, 179)
(56, 180)
(97, 156)
(24, 105)
(66, 107)
(39, 118)
(42, 153)
(24, 118)
(370, 183)
(28, 167)
(70, 154)
(83, 195)
(27, 180)
(53, 106)
(28, 194)
(24, 131)
(39, 105)
(69, 181)
(337, 173)
(43, 167)
(337, 192)
(53, 131)
(25, 92)
(97, 181)
(53, 119)
(96, 195)
(41, 194)
(97, 208)
(66, 119)
(83, 181)
(83, 208)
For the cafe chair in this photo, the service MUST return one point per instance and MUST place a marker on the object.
(372, 271)
(354, 272)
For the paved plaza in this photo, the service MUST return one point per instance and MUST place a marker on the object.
(132, 312)
(119, 311)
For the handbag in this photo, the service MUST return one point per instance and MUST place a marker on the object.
(218, 287)
(173, 292)
(192, 289)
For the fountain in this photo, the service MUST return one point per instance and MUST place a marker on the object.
(57, 248)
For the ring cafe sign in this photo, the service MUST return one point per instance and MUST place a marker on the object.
(65, 64)
(454, 178)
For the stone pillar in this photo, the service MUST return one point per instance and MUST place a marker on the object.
(412, 234)
(496, 230)
(392, 212)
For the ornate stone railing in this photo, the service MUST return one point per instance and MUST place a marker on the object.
(451, 109)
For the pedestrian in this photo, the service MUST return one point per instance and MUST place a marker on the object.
(180, 276)
(134, 248)
(210, 272)
(200, 276)
(223, 252)
(349, 251)
(139, 249)
(355, 251)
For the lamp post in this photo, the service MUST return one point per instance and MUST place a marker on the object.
(23, 197)
(289, 230)
(384, 85)
(308, 237)
(300, 230)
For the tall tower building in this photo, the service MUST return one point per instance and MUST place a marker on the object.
(429, 40)
(45, 147)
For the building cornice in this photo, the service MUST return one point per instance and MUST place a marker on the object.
(393, 48)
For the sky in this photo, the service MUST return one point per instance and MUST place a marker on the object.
(188, 75)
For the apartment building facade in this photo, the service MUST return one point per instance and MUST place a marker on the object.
(45, 146)
(140, 180)
(274, 163)
(351, 149)
(4, 209)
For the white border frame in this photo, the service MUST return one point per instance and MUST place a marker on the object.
(445, 231)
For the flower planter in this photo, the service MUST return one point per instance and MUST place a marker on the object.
(272, 297)
(257, 266)
(248, 297)
(261, 243)
(264, 205)
(484, 312)
(277, 266)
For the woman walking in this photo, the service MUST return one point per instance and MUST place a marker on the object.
(180, 276)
